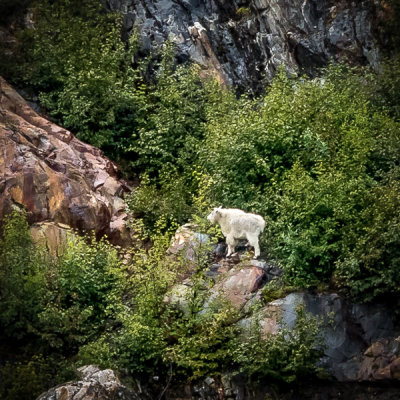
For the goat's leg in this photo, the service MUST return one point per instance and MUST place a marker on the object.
(253, 241)
(231, 242)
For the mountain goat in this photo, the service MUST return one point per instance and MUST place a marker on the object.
(237, 224)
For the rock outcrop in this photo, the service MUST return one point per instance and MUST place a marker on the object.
(55, 177)
(358, 339)
(381, 361)
(361, 341)
(94, 384)
(242, 42)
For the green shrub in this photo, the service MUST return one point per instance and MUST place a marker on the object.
(24, 380)
(275, 289)
(243, 11)
(90, 84)
(22, 278)
(289, 355)
(200, 341)
(82, 294)
(28, 379)
(83, 70)
(371, 269)
(308, 157)
(387, 87)
(168, 201)
(175, 119)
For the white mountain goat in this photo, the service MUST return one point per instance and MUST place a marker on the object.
(237, 224)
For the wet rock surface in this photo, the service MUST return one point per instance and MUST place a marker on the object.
(244, 42)
(54, 176)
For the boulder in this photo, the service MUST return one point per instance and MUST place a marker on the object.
(238, 284)
(94, 384)
(56, 177)
(189, 243)
(178, 296)
(381, 361)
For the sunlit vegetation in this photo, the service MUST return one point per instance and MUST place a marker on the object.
(319, 159)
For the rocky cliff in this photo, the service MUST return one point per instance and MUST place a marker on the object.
(60, 181)
(243, 42)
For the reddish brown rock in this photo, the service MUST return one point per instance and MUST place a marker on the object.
(53, 236)
(55, 176)
(381, 361)
(395, 368)
(383, 373)
(239, 284)
(375, 350)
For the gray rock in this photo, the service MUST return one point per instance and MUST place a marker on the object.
(219, 250)
(347, 331)
(189, 243)
(243, 42)
(178, 296)
(94, 384)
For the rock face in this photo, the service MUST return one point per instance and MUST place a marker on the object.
(235, 388)
(359, 343)
(95, 384)
(54, 176)
(242, 42)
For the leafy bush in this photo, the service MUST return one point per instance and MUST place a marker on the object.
(200, 341)
(24, 380)
(91, 309)
(90, 83)
(167, 201)
(371, 270)
(289, 355)
(83, 70)
(309, 157)
(175, 119)
(21, 279)
(82, 294)
(137, 342)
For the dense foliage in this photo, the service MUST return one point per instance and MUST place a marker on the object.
(319, 159)
(85, 306)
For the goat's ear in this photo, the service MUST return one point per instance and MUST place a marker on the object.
(219, 207)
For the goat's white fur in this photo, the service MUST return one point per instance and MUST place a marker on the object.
(237, 224)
